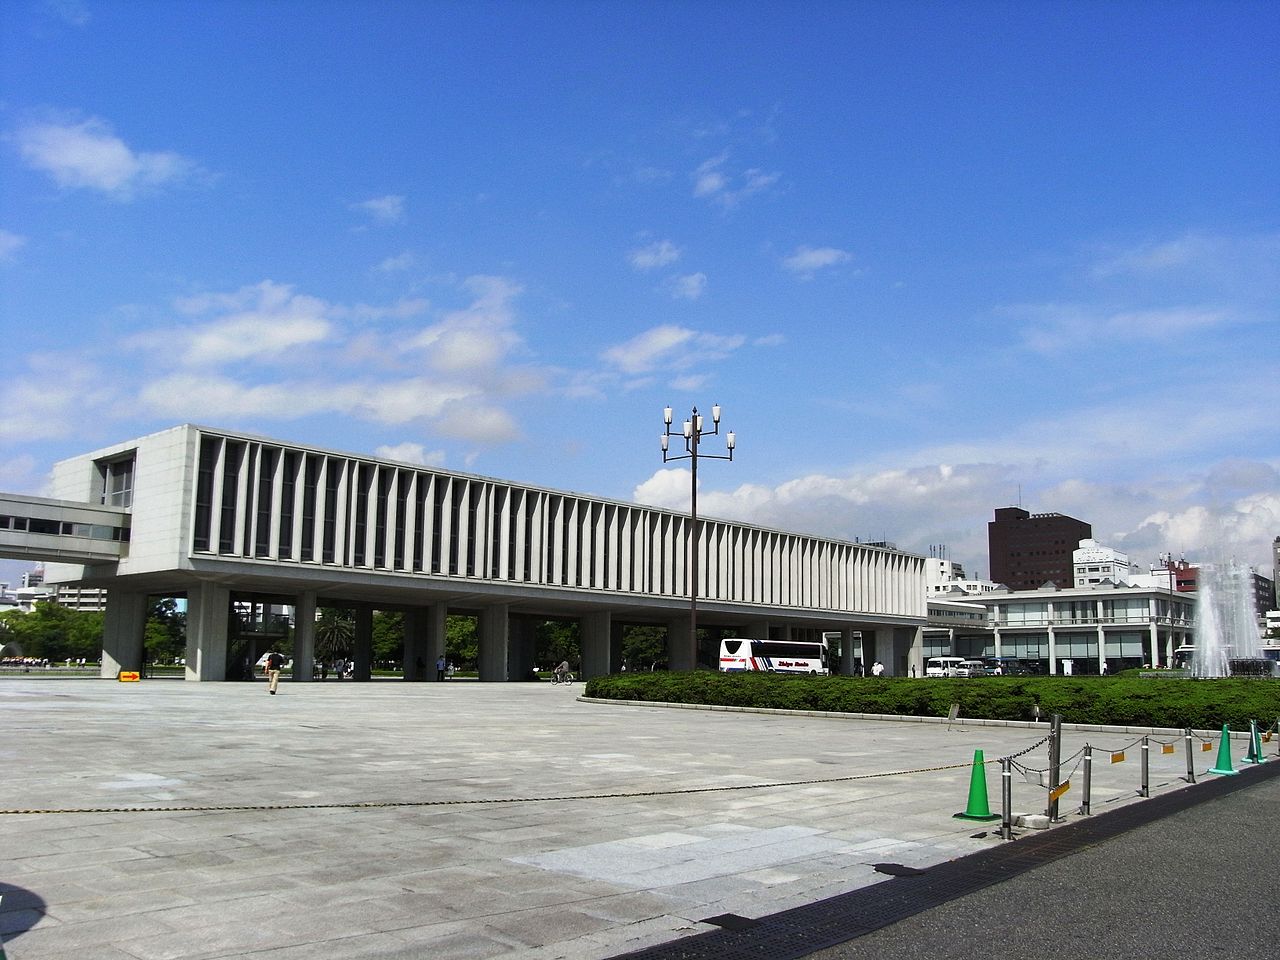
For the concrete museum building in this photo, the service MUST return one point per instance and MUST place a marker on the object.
(230, 521)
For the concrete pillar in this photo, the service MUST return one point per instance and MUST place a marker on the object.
(1155, 645)
(493, 642)
(915, 652)
(522, 642)
(757, 630)
(870, 649)
(424, 637)
(362, 648)
(906, 640)
(596, 633)
(850, 655)
(681, 652)
(304, 636)
(208, 612)
(123, 624)
(1053, 654)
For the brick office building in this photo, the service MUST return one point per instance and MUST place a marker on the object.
(1028, 550)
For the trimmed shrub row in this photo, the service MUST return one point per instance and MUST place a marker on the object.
(1134, 701)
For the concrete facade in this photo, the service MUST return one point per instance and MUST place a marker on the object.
(215, 516)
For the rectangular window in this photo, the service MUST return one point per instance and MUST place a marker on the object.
(233, 455)
(437, 543)
(204, 492)
(364, 479)
(385, 476)
(288, 484)
(329, 546)
(310, 478)
(402, 509)
(266, 486)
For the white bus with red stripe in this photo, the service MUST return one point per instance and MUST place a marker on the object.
(774, 656)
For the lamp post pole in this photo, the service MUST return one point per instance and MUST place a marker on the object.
(693, 433)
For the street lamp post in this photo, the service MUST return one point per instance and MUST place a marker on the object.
(693, 433)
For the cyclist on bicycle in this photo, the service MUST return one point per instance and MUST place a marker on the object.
(562, 672)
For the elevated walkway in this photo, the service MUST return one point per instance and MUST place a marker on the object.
(67, 531)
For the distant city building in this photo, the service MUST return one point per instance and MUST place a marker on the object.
(1029, 550)
(1275, 569)
(1120, 626)
(1186, 576)
(1095, 563)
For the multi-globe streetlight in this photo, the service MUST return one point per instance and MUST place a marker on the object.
(692, 434)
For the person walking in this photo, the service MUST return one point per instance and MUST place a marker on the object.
(272, 669)
(440, 665)
(877, 668)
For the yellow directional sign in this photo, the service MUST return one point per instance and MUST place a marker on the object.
(129, 676)
(1059, 790)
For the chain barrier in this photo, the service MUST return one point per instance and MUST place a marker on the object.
(385, 804)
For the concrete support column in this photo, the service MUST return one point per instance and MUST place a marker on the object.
(1155, 645)
(123, 624)
(915, 652)
(907, 641)
(418, 665)
(596, 634)
(492, 624)
(304, 636)
(208, 612)
(362, 648)
(522, 644)
(870, 651)
(758, 630)
(850, 657)
(1053, 654)
(681, 652)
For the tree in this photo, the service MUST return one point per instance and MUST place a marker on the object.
(556, 641)
(165, 637)
(644, 648)
(461, 644)
(388, 637)
(335, 632)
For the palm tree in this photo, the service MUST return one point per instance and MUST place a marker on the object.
(335, 630)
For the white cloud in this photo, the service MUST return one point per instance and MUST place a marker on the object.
(688, 287)
(650, 349)
(409, 452)
(89, 155)
(1055, 328)
(388, 209)
(713, 182)
(54, 397)
(478, 337)
(397, 263)
(71, 12)
(266, 321)
(10, 243)
(656, 254)
(804, 262)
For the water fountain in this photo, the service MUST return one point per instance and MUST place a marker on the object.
(1226, 626)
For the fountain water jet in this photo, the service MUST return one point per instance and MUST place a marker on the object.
(1226, 628)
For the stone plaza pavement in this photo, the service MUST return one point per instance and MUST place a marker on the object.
(461, 819)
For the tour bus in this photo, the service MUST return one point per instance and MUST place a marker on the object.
(774, 656)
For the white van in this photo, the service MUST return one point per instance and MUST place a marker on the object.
(943, 666)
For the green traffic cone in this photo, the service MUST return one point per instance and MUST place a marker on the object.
(979, 808)
(1255, 744)
(1223, 766)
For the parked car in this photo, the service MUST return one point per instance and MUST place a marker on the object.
(942, 666)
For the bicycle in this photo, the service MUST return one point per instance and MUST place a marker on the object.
(562, 678)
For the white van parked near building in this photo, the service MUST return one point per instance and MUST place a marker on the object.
(943, 666)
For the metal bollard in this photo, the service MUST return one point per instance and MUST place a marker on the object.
(1055, 763)
(1088, 780)
(1006, 798)
(1145, 789)
(1191, 763)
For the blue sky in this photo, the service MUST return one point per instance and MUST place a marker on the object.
(929, 257)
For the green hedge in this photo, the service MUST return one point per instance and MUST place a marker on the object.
(1134, 701)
